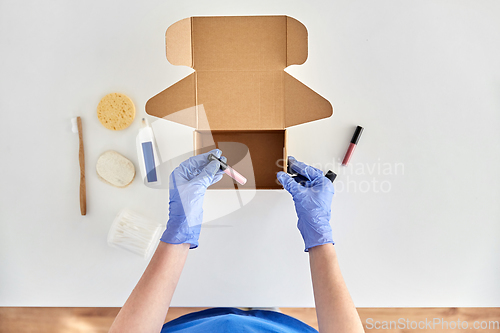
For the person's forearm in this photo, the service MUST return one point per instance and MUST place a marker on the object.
(146, 308)
(334, 307)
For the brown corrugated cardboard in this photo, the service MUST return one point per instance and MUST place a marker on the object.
(239, 91)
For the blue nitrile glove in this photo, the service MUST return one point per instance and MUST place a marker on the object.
(312, 203)
(188, 183)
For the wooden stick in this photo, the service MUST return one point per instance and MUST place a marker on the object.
(81, 157)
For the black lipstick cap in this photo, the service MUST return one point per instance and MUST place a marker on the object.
(357, 135)
(223, 165)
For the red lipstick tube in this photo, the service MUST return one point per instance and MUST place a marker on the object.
(352, 145)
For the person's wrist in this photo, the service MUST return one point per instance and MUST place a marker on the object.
(176, 239)
(313, 245)
(321, 248)
(177, 247)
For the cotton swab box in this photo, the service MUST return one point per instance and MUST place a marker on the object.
(135, 233)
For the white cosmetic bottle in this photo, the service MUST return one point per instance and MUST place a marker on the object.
(149, 160)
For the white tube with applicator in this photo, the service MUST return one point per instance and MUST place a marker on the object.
(149, 160)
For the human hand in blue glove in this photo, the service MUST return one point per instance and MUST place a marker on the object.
(188, 183)
(312, 203)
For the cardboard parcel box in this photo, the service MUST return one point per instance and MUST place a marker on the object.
(239, 98)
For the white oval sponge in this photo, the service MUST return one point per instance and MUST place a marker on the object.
(115, 169)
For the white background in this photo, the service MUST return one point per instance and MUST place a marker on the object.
(422, 77)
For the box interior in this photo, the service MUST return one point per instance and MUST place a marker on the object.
(266, 148)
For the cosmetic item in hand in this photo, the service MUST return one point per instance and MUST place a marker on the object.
(302, 180)
(228, 170)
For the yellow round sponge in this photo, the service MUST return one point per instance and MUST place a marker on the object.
(116, 111)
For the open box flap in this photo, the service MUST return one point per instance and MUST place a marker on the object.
(302, 104)
(178, 43)
(239, 78)
(296, 42)
(176, 103)
(237, 42)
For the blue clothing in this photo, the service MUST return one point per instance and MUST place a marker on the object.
(236, 320)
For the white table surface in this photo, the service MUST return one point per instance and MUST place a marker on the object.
(415, 217)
